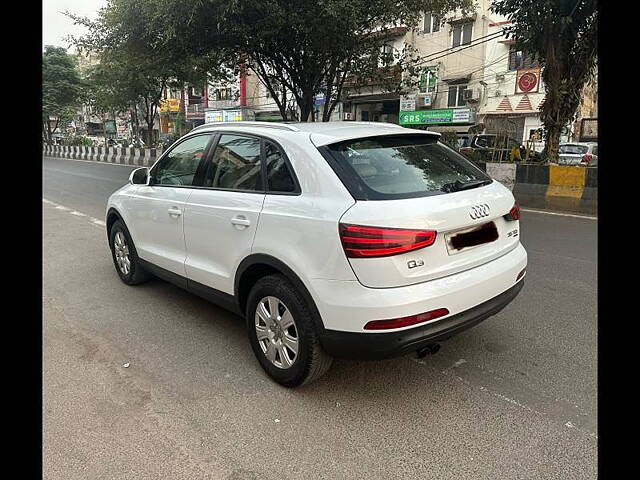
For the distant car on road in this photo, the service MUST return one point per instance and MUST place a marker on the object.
(584, 154)
(491, 147)
(339, 239)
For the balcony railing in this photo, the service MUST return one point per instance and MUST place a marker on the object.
(219, 104)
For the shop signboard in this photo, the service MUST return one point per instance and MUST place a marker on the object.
(110, 126)
(232, 115)
(212, 116)
(436, 117)
(169, 105)
(407, 104)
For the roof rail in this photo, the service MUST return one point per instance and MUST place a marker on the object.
(280, 126)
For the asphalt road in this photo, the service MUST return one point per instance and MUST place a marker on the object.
(514, 397)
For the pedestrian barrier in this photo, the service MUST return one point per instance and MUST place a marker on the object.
(549, 187)
(143, 157)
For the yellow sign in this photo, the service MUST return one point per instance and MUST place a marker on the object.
(169, 105)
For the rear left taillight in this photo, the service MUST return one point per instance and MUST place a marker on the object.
(586, 158)
(514, 213)
(360, 241)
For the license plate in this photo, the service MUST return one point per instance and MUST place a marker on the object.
(462, 240)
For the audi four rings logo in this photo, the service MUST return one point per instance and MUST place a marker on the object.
(479, 211)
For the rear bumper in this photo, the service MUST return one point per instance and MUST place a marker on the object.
(376, 346)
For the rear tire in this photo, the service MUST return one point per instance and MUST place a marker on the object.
(124, 255)
(288, 349)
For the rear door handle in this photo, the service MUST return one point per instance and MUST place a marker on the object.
(175, 212)
(240, 220)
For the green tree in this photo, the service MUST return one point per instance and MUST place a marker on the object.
(562, 34)
(130, 39)
(61, 88)
(297, 48)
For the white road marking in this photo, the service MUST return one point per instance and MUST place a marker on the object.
(544, 212)
(94, 221)
(97, 161)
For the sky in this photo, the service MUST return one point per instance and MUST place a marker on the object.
(55, 25)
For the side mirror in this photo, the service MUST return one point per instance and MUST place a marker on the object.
(140, 176)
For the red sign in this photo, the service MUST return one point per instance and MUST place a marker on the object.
(528, 80)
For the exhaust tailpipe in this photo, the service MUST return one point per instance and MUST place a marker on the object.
(430, 349)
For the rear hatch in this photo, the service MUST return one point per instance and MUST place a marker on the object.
(571, 154)
(413, 193)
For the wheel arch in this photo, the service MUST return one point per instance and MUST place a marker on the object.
(258, 265)
(112, 216)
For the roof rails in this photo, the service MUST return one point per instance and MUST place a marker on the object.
(280, 126)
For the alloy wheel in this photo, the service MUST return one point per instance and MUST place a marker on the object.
(121, 251)
(276, 332)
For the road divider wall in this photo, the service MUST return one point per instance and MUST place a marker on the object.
(142, 157)
(549, 187)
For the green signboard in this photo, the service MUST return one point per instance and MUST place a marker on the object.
(110, 126)
(435, 117)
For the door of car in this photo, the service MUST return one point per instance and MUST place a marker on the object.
(158, 208)
(221, 216)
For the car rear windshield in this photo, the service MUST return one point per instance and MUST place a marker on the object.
(400, 166)
(573, 149)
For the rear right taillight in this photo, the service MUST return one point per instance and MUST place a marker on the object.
(514, 213)
(360, 241)
(586, 158)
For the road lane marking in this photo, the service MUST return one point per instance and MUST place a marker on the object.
(544, 212)
(93, 161)
(94, 221)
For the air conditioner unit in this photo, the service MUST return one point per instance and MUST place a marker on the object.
(348, 116)
(469, 95)
(499, 78)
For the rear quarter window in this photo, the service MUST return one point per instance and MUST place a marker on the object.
(399, 166)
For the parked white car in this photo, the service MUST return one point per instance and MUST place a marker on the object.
(348, 239)
(582, 154)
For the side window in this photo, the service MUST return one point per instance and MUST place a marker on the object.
(179, 166)
(279, 177)
(235, 164)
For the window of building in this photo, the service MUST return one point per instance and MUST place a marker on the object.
(456, 95)
(429, 80)
(431, 23)
(519, 59)
(223, 94)
(462, 33)
(235, 164)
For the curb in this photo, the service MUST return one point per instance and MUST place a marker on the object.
(140, 157)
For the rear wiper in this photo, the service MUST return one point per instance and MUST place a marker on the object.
(458, 185)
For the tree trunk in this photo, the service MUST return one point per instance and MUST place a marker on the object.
(552, 143)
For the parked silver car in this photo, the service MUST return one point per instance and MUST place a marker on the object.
(582, 154)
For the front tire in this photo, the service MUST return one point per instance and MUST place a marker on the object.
(124, 255)
(282, 335)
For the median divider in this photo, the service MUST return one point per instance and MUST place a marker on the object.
(549, 187)
(141, 157)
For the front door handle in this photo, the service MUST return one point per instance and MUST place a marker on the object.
(175, 212)
(241, 221)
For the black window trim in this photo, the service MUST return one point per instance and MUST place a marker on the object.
(262, 138)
